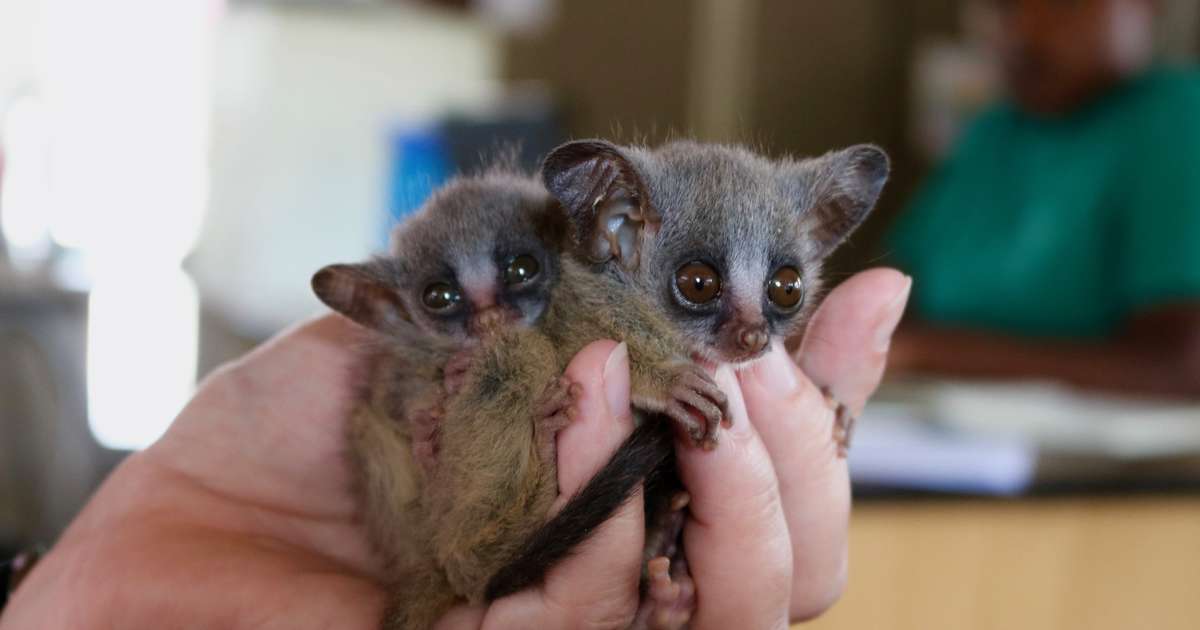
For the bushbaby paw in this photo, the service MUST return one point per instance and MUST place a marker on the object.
(843, 423)
(697, 405)
(454, 373)
(555, 409)
(425, 427)
(670, 596)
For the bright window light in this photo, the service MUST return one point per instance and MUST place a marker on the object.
(127, 85)
(141, 355)
(126, 88)
(24, 197)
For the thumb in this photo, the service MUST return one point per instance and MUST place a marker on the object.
(604, 416)
(845, 346)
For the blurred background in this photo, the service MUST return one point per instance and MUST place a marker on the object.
(171, 174)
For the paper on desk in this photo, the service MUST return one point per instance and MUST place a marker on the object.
(895, 448)
(1059, 420)
(988, 437)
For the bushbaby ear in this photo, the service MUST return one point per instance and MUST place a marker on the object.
(362, 293)
(604, 198)
(844, 188)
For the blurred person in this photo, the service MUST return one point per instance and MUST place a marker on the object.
(242, 515)
(1061, 239)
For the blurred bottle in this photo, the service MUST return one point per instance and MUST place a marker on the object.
(517, 127)
(419, 164)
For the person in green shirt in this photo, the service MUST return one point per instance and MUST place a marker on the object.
(1061, 239)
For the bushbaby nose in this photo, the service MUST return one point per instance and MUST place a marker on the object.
(488, 319)
(753, 339)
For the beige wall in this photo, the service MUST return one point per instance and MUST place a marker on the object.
(621, 66)
(815, 75)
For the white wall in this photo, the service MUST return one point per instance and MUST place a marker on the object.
(304, 100)
(18, 19)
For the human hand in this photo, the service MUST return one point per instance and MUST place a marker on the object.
(766, 538)
(241, 516)
(766, 541)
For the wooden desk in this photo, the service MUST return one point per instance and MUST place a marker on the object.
(1095, 564)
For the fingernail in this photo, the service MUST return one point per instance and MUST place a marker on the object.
(730, 382)
(776, 371)
(892, 314)
(616, 379)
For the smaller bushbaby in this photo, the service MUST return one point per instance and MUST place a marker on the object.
(481, 255)
(727, 246)
(491, 475)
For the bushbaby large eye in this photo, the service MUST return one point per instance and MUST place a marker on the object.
(698, 282)
(523, 268)
(440, 296)
(785, 289)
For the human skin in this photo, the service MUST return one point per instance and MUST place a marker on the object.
(1059, 55)
(241, 515)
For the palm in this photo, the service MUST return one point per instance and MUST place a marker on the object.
(243, 516)
(273, 428)
(254, 464)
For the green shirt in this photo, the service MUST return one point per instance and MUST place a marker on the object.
(1063, 227)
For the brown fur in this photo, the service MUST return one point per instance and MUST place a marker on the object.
(463, 237)
(493, 487)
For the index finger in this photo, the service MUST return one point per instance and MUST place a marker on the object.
(845, 346)
(736, 540)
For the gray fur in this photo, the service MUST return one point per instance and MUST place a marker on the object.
(483, 220)
(473, 226)
(744, 214)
